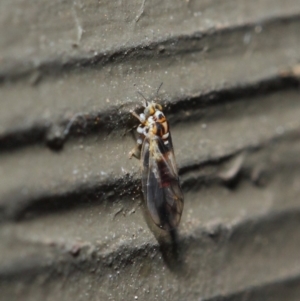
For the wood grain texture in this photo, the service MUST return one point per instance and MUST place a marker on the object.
(72, 221)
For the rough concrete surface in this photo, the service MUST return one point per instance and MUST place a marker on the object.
(73, 225)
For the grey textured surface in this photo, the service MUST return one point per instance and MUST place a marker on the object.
(72, 221)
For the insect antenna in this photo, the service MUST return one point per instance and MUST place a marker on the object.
(146, 104)
(158, 89)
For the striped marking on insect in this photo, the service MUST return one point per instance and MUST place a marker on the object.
(160, 181)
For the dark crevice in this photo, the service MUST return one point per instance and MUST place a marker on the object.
(23, 137)
(284, 289)
(193, 105)
(118, 258)
(18, 208)
(119, 118)
(193, 177)
(56, 135)
(45, 204)
(69, 264)
(35, 206)
(179, 45)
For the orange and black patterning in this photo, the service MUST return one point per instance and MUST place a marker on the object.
(160, 181)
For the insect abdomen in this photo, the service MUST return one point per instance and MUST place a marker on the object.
(165, 176)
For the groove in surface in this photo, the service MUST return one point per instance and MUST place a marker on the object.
(73, 224)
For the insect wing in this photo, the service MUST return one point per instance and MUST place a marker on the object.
(160, 182)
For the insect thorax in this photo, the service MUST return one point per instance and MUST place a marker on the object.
(155, 122)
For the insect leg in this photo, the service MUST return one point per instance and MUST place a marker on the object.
(140, 117)
(136, 151)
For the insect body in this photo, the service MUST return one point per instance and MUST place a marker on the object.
(160, 181)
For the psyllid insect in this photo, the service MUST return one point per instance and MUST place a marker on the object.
(160, 181)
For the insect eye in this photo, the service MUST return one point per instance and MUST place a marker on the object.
(158, 107)
(159, 115)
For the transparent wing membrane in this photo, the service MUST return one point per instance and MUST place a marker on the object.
(160, 182)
